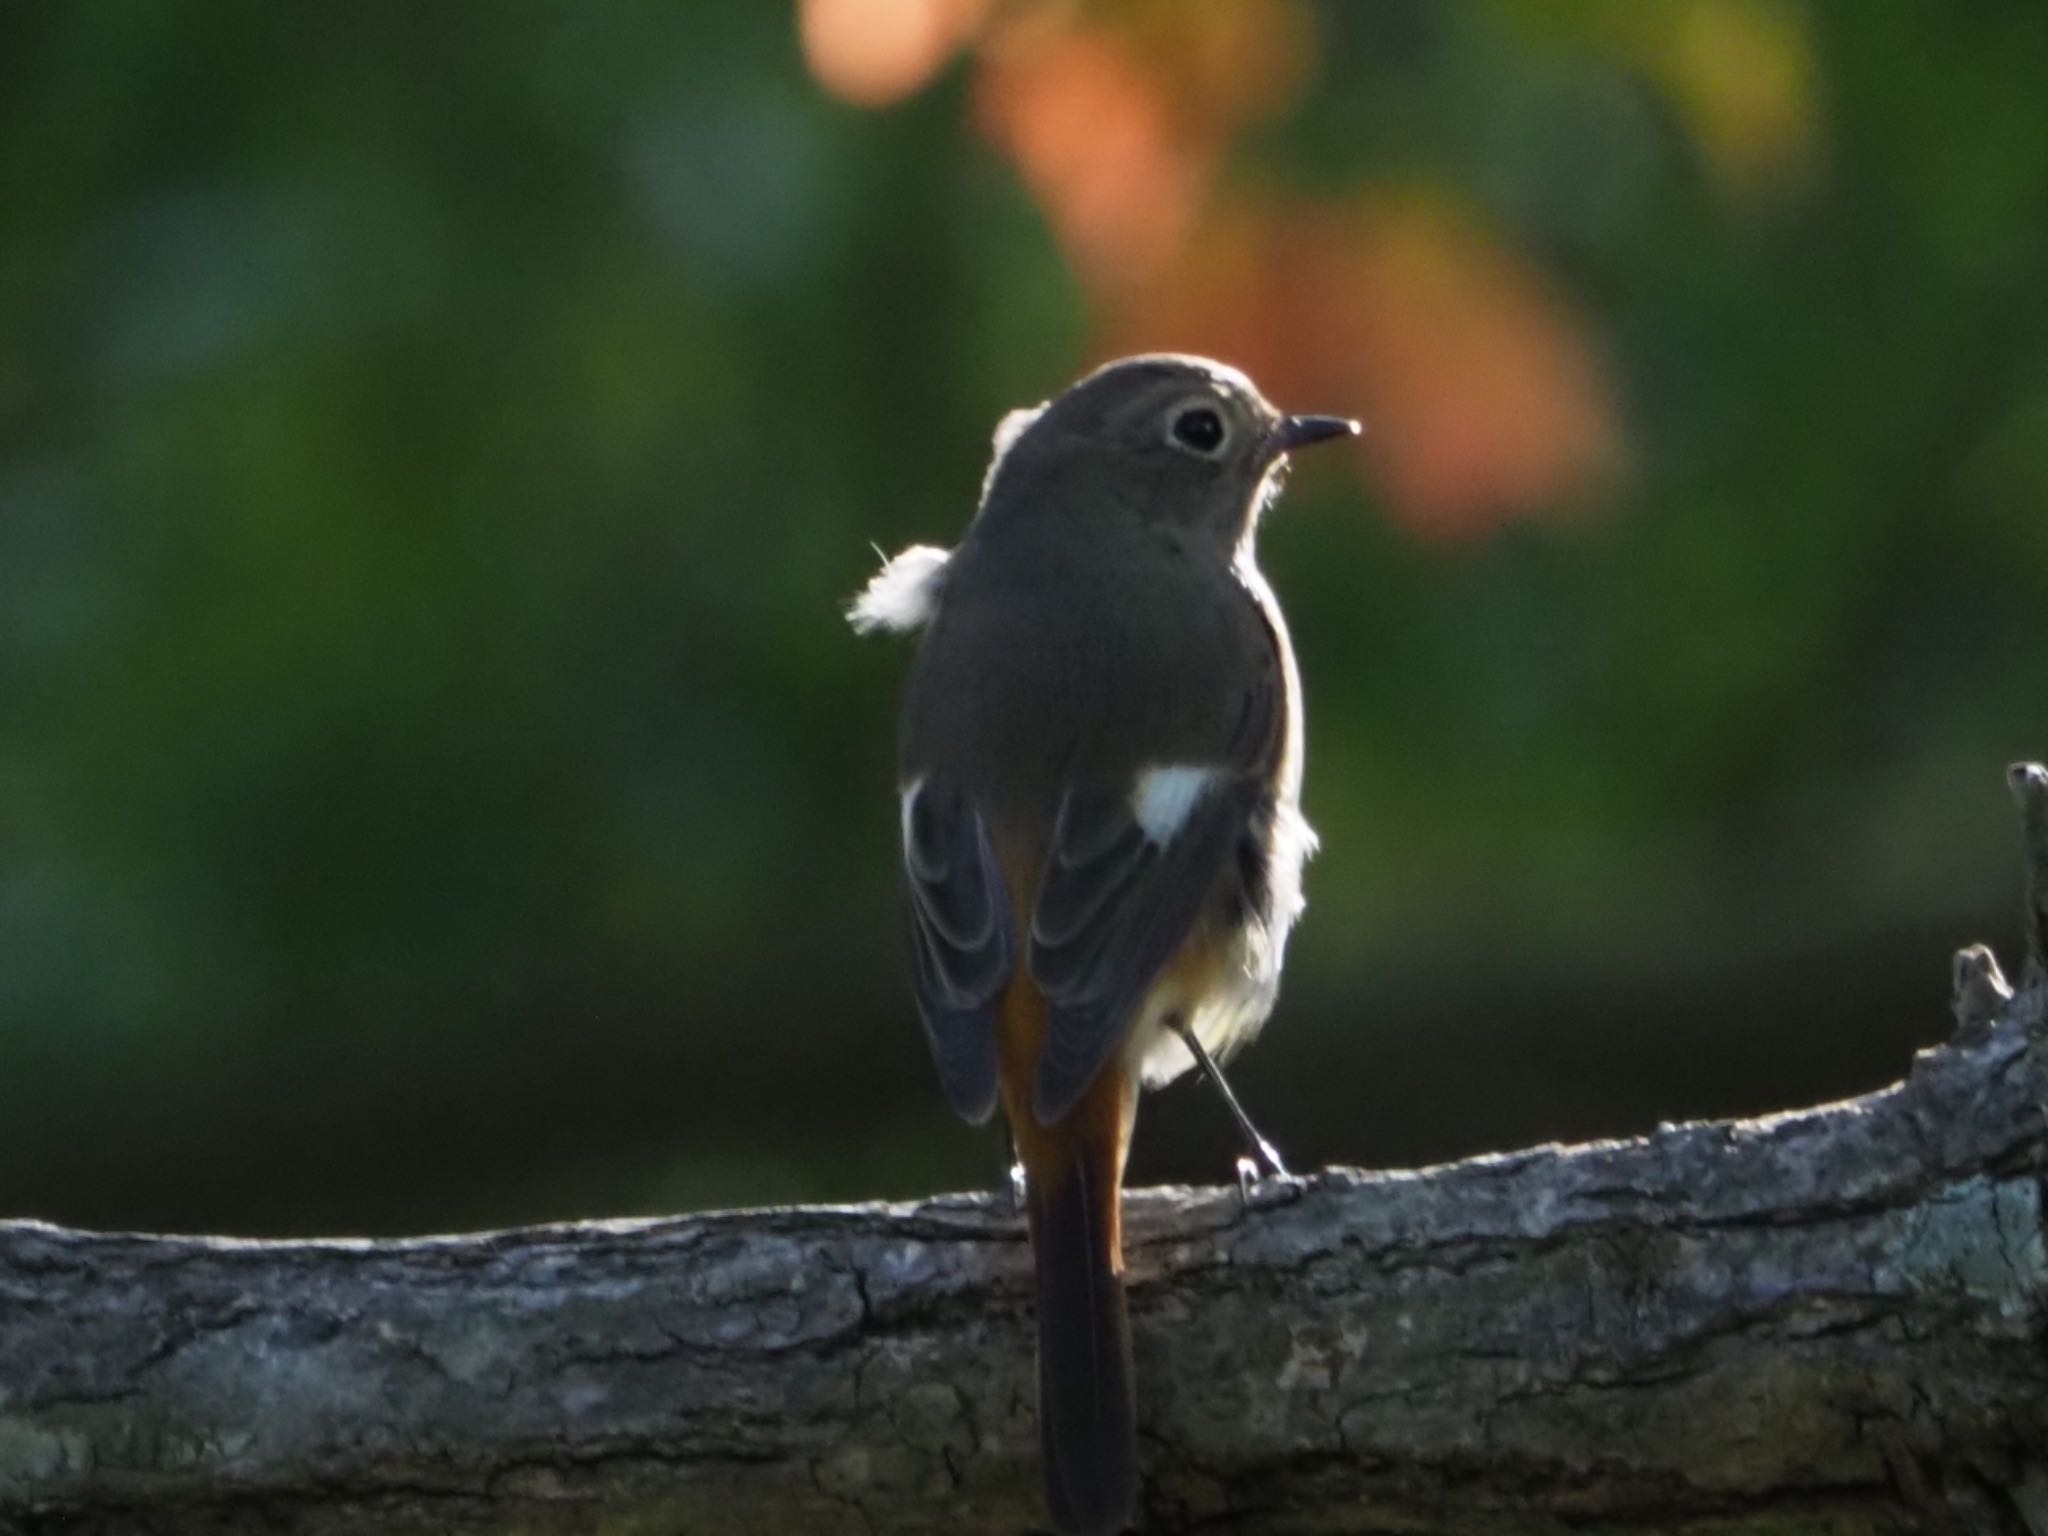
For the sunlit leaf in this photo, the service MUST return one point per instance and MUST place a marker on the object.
(875, 52)
(1092, 136)
(1117, 120)
(1740, 75)
(1741, 72)
(1482, 396)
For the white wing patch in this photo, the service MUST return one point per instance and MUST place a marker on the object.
(1163, 798)
(903, 594)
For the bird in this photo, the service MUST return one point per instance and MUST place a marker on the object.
(1098, 798)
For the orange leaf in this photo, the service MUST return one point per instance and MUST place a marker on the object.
(1482, 398)
(875, 52)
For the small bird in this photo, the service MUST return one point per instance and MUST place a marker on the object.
(1099, 775)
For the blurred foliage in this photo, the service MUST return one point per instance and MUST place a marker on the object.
(436, 786)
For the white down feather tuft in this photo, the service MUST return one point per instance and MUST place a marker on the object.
(904, 594)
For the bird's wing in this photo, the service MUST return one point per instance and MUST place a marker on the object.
(961, 940)
(1131, 867)
(1115, 903)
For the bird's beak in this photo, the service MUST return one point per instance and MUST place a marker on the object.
(1299, 431)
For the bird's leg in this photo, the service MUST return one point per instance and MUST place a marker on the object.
(1013, 1174)
(1260, 1150)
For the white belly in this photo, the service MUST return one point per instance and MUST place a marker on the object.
(1228, 1014)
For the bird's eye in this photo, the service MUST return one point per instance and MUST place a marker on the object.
(1199, 429)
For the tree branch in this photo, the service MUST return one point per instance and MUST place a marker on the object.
(1831, 1320)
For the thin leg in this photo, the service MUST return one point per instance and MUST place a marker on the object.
(1013, 1180)
(1262, 1149)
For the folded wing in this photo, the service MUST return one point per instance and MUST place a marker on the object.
(961, 942)
(1115, 902)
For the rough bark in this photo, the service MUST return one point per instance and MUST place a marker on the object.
(1827, 1321)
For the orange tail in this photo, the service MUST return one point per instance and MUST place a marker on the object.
(1087, 1411)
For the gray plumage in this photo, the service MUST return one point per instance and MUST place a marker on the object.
(1104, 698)
(1100, 759)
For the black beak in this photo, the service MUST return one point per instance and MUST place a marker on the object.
(1299, 431)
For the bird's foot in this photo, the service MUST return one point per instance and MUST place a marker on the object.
(1263, 1180)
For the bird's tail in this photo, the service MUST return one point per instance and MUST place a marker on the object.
(1087, 1413)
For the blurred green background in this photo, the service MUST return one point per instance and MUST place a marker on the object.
(436, 443)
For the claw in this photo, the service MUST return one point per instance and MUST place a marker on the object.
(1270, 1156)
(1247, 1180)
